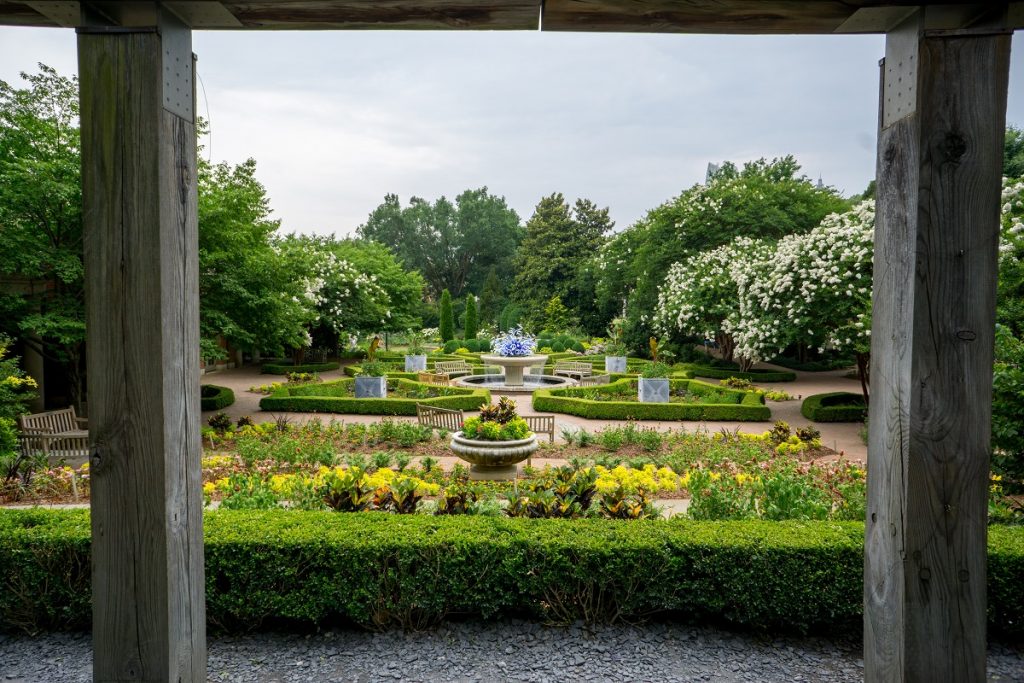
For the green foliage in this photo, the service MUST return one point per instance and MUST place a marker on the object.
(16, 388)
(41, 218)
(249, 493)
(486, 430)
(373, 369)
(213, 397)
(286, 369)
(491, 297)
(332, 397)
(839, 406)
(410, 571)
(763, 200)
(556, 315)
(502, 412)
(1013, 153)
(550, 259)
(471, 319)
(1008, 408)
(453, 246)
(749, 407)
(752, 375)
(655, 371)
(220, 422)
(447, 316)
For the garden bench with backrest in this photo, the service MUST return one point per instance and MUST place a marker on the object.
(432, 378)
(594, 380)
(452, 368)
(439, 418)
(57, 434)
(574, 369)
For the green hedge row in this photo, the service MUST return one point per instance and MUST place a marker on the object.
(752, 375)
(316, 398)
(749, 406)
(213, 397)
(285, 368)
(384, 571)
(838, 406)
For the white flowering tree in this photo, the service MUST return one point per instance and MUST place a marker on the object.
(701, 296)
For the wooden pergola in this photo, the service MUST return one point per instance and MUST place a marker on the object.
(942, 115)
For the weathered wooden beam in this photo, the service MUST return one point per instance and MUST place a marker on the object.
(142, 314)
(940, 147)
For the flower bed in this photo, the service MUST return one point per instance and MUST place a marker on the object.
(754, 375)
(285, 368)
(339, 397)
(213, 397)
(386, 571)
(839, 406)
(617, 401)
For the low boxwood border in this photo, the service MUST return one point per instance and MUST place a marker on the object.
(306, 399)
(284, 369)
(751, 406)
(821, 407)
(213, 397)
(381, 571)
(753, 375)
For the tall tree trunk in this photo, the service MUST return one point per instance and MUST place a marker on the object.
(863, 372)
(726, 345)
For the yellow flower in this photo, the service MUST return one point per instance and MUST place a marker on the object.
(715, 476)
(208, 488)
(743, 478)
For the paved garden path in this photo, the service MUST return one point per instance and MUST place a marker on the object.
(493, 652)
(842, 437)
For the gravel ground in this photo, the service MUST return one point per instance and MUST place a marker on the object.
(502, 651)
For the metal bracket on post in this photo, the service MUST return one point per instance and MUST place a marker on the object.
(176, 39)
(900, 72)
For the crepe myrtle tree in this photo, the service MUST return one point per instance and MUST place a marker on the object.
(700, 296)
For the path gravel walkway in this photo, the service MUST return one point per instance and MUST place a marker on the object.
(504, 651)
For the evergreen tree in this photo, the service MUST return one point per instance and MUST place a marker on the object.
(557, 317)
(471, 323)
(447, 326)
(491, 297)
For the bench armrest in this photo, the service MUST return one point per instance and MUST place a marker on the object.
(83, 422)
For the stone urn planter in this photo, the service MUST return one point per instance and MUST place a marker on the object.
(371, 387)
(653, 390)
(415, 363)
(493, 460)
(615, 363)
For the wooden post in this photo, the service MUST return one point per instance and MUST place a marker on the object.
(142, 306)
(940, 147)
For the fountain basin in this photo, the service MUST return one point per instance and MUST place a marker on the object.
(530, 383)
(514, 366)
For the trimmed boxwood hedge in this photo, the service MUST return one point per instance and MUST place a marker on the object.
(752, 375)
(318, 398)
(382, 571)
(213, 397)
(285, 368)
(838, 406)
(749, 406)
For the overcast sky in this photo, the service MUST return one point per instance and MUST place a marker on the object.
(336, 120)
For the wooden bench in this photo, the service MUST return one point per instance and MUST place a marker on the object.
(432, 378)
(574, 369)
(59, 435)
(439, 418)
(593, 380)
(452, 368)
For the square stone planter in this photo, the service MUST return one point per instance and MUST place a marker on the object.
(614, 363)
(653, 390)
(415, 363)
(371, 387)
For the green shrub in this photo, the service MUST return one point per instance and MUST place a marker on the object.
(333, 397)
(749, 406)
(473, 345)
(411, 571)
(752, 375)
(558, 347)
(839, 406)
(285, 368)
(446, 326)
(450, 346)
(213, 397)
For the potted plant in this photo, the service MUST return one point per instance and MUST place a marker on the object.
(372, 380)
(653, 386)
(614, 349)
(494, 442)
(416, 355)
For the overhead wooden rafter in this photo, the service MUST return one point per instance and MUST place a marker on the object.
(645, 16)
